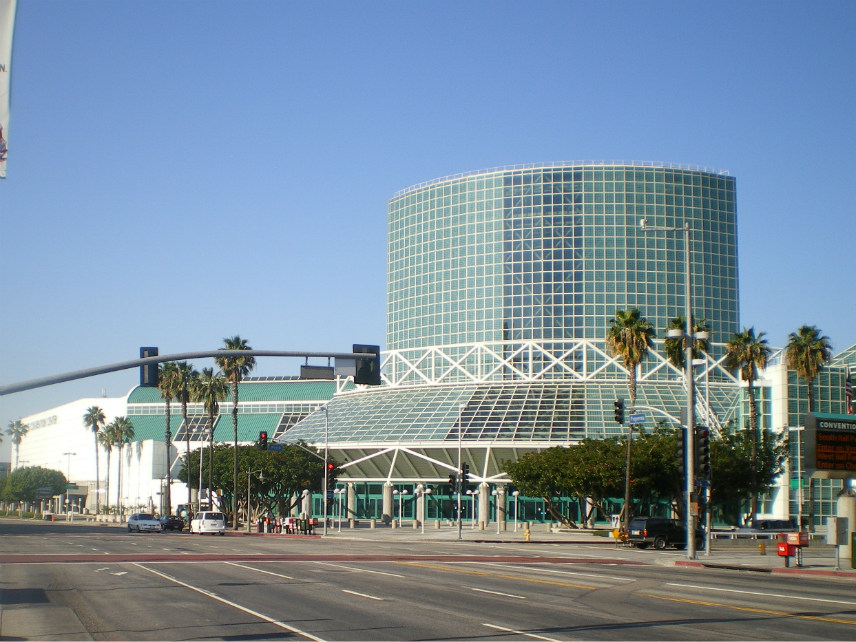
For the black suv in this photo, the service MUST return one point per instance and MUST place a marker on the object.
(661, 532)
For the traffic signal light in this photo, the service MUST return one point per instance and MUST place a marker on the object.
(149, 372)
(331, 475)
(619, 410)
(263, 440)
(368, 367)
(453, 480)
(681, 450)
(465, 477)
(702, 448)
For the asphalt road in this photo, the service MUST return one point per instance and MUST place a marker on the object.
(92, 582)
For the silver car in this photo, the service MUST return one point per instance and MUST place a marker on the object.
(143, 522)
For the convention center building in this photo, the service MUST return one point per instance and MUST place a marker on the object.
(501, 287)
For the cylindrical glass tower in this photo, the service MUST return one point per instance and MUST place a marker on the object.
(548, 253)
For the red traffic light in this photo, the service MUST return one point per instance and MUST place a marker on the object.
(330, 466)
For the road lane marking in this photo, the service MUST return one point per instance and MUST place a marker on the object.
(800, 616)
(516, 632)
(762, 593)
(516, 597)
(359, 570)
(541, 569)
(500, 575)
(371, 597)
(214, 596)
(258, 570)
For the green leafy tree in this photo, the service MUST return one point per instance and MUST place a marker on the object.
(235, 369)
(543, 474)
(94, 419)
(209, 389)
(733, 481)
(748, 353)
(168, 386)
(284, 475)
(17, 430)
(22, 484)
(806, 353)
(656, 470)
(596, 471)
(629, 338)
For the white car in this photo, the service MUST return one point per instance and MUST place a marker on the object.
(143, 522)
(208, 522)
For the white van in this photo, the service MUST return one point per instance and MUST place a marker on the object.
(208, 522)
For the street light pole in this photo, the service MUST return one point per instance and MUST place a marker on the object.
(688, 365)
(68, 457)
(459, 484)
(326, 447)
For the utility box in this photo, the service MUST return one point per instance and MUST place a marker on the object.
(836, 531)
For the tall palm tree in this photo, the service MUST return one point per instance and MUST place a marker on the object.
(107, 438)
(806, 353)
(94, 419)
(629, 337)
(235, 369)
(209, 389)
(123, 434)
(17, 430)
(184, 376)
(748, 353)
(167, 375)
(676, 348)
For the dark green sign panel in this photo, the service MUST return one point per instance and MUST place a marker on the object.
(830, 445)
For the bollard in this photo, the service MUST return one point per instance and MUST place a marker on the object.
(762, 548)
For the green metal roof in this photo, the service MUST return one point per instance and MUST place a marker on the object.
(282, 390)
(153, 426)
(249, 426)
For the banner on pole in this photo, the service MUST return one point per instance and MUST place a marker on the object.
(7, 26)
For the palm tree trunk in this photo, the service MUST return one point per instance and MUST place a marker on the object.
(97, 477)
(107, 481)
(168, 437)
(210, 461)
(753, 424)
(235, 454)
(187, 444)
(628, 498)
(119, 484)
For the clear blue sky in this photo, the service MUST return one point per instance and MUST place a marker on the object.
(180, 172)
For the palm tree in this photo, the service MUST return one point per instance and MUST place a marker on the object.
(749, 353)
(209, 389)
(806, 353)
(235, 369)
(184, 376)
(167, 375)
(107, 438)
(94, 419)
(17, 430)
(124, 433)
(629, 337)
(676, 348)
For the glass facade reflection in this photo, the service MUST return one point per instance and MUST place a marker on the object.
(551, 252)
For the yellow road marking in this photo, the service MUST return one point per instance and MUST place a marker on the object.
(519, 578)
(819, 618)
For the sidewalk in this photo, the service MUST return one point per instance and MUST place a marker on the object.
(732, 554)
